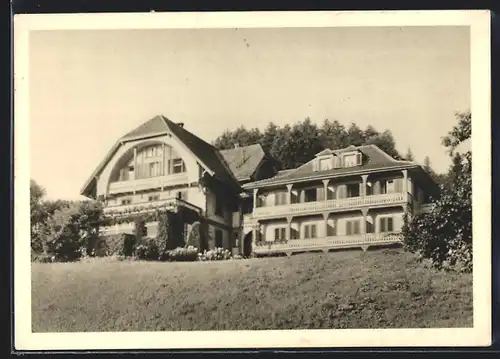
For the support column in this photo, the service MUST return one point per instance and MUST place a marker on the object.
(325, 218)
(325, 188)
(405, 190)
(255, 198)
(289, 228)
(363, 222)
(135, 166)
(363, 189)
(163, 172)
(405, 181)
(289, 188)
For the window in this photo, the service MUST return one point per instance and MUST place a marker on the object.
(352, 227)
(154, 169)
(126, 201)
(387, 186)
(349, 160)
(353, 159)
(153, 198)
(219, 208)
(310, 231)
(310, 195)
(279, 234)
(386, 224)
(218, 238)
(153, 151)
(325, 164)
(352, 190)
(178, 165)
(280, 198)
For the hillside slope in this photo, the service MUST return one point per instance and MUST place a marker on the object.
(346, 289)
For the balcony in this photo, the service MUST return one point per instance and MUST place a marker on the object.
(148, 183)
(170, 204)
(329, 205)
(326, 243)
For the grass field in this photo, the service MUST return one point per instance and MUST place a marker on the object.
(347, 289)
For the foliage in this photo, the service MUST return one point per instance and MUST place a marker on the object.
(122, 244)
(445, 234)
(148, 249)
(292, 146)
(194, 237)
(140, 229)
(62, 230)
(65, 238)
(215, 254)
(409, 155)
(163, 238)
(179, 254)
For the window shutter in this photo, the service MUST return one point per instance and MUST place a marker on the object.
(356, 227)
(313, 231)
(276, 233)
(276, 199)
(348, 228)
(382, 224)
(390, 225)
(341, 191)
(359, 159)
(398, 185)
(320, 194)
(376, 187)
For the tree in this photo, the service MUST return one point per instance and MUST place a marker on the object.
(37, 216)
(355, 136)
(409, 155)
(427, 165)
(333, 135)
(445, 234)
(459, 133)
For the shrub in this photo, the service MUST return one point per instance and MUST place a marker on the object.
(180, 254)
(147, 249)
(194, 237)
(116, 244)
(215, 254)
(140, 229)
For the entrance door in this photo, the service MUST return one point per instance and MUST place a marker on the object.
(247, 245)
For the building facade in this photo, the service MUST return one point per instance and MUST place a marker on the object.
(353, 197)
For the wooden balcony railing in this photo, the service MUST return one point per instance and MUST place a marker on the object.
(147, 183)
(327, 243)
(336, 204)
(143, 207)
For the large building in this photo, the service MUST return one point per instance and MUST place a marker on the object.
(352, 197)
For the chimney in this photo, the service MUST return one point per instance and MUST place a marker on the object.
(180, 124)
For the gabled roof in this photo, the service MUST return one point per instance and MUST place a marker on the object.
(374, 159)
(206, 154)
(244, 161)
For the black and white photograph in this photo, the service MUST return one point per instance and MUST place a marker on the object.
(246, 180)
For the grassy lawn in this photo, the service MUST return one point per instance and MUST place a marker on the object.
(347, 289)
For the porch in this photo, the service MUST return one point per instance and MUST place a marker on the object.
(326, 244)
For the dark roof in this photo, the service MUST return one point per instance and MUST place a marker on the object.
(373, 159)
(244, 161)
(206, 153)
(156, 125)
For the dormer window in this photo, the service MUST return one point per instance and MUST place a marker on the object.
(325, 164)
(352, 159)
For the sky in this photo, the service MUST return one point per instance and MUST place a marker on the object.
(90, 87)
